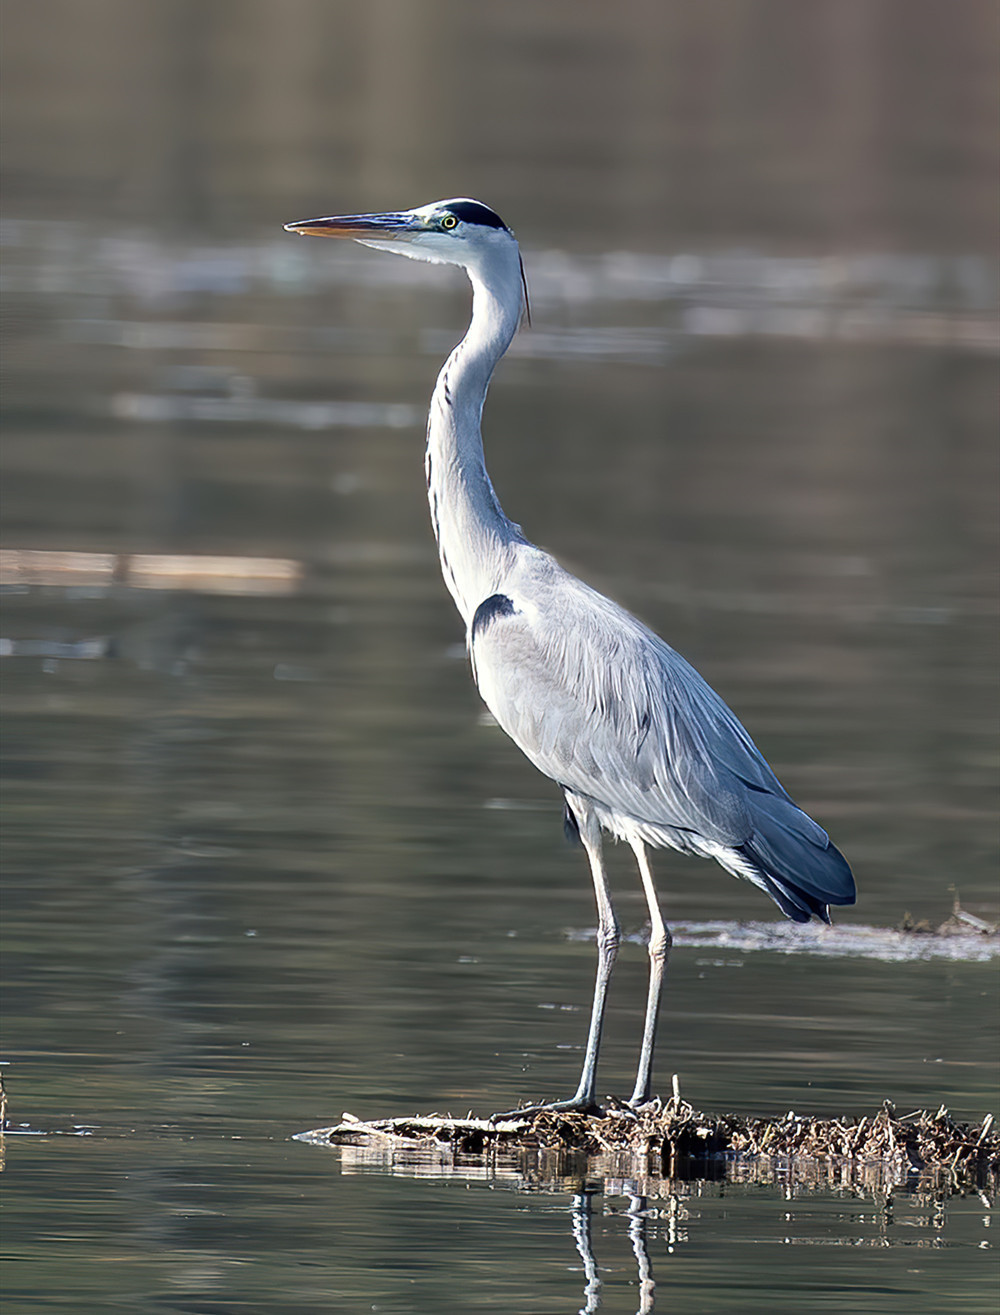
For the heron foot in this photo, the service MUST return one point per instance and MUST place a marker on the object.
(646, 1105)
(581, 1105)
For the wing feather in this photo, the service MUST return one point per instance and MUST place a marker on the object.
(602, 705)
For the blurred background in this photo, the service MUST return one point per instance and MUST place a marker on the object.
(264, 857)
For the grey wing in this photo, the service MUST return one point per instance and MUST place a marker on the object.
(604, 707)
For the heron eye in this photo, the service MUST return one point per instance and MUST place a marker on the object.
(449, 221)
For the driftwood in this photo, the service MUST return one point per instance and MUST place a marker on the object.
(673, 1140)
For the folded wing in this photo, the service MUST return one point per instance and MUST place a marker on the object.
(603, 706)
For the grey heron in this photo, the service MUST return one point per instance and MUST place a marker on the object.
(637, 741)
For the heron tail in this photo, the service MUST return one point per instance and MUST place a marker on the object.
(794, 860)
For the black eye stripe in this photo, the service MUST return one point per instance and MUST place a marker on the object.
(472, 212)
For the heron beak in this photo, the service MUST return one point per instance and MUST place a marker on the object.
(400, 225)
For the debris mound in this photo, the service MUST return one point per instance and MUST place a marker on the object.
(672, 1138)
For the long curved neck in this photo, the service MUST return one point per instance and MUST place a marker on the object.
(474, 536)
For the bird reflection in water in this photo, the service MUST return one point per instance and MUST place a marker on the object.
(439, 1161)
(583, 1235)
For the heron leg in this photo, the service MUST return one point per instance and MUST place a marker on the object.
(608, 937)
(660, 941)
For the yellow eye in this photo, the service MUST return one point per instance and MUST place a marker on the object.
(449, 221)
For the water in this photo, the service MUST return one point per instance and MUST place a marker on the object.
(265, 860)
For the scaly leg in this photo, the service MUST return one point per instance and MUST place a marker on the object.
(660, 941)
(608, 936)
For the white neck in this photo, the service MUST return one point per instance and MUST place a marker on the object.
(475, 538)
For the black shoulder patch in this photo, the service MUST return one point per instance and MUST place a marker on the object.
(488, 610)
(473, 212)
(571, 827)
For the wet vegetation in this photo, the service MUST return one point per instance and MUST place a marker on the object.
(675, 1141)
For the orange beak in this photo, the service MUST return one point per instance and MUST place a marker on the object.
(394, 224)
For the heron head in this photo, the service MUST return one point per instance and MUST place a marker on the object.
(444, 232)
(456, 232)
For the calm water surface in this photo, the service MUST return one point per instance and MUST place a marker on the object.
(265, 860)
